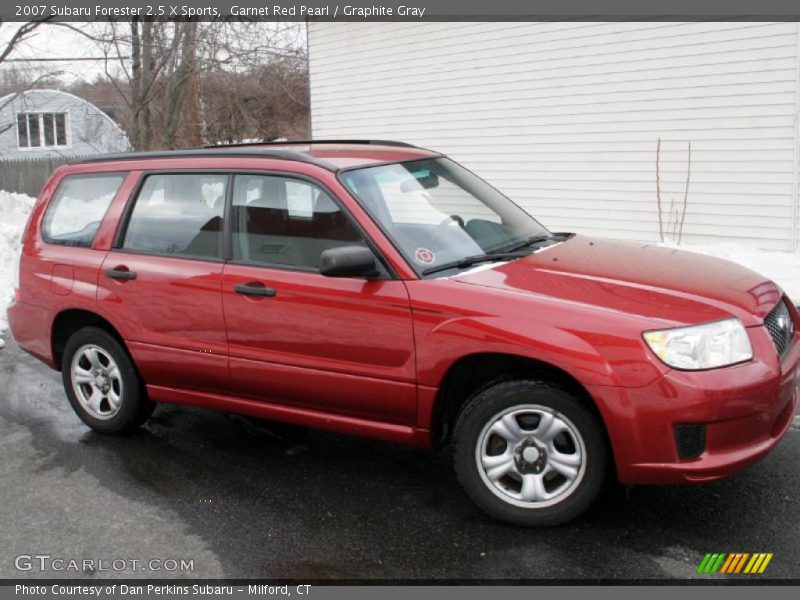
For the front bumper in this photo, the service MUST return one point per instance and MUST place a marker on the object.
(746, 409)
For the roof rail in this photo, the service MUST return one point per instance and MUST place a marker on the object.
(303, 142)
(256, 149)
(223, 152)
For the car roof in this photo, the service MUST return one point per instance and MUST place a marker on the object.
(333, 155)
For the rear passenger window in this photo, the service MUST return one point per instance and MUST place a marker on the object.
(178, 214)
(285, 221)
(78, 207)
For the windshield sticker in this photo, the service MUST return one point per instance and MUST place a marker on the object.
(425, 256)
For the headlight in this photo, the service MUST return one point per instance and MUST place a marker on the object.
(699, 347)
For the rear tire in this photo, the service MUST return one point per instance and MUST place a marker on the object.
(529, 453)
(102, 384)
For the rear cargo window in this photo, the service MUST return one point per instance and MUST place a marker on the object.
(178, 214)
(78, 207)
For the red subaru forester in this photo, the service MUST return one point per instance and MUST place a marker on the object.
(379, 289)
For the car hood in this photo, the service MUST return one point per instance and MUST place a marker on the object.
(665, 284)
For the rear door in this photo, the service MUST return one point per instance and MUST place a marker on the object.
(342, 345)
(162, 280)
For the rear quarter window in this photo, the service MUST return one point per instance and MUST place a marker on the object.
(78, 207)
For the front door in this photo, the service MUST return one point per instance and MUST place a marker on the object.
(296, 337)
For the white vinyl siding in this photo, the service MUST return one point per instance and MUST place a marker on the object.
(565, 117)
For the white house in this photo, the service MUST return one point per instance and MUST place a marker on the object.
(41, 123)
(565, 117)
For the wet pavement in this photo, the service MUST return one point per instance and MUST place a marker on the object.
(243, 498)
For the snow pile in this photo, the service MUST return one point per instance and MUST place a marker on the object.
(781, 267)
(14, 211)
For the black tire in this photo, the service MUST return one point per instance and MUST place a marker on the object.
(502, 396)
(134, 406)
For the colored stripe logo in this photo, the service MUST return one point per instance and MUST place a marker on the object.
(734, 563)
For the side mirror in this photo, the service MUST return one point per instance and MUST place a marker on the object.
(347, 261)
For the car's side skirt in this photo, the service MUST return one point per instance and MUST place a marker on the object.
(389, 432)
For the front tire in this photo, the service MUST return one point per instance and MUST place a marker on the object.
(529, 453)
(102, 384)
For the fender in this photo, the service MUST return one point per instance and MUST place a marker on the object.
(453, 339)
(594, 347)
(91, 308)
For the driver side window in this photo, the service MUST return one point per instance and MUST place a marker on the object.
(286, 221)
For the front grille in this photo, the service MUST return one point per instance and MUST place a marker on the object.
(780, 326)
(691, 440)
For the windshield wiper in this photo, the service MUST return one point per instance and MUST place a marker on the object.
(474, 260)
(535, 239)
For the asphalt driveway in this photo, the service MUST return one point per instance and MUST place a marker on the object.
(243, 498)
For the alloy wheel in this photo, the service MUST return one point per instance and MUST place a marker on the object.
(531, 456)
(97, 381)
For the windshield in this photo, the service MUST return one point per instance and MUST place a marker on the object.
(437, 212)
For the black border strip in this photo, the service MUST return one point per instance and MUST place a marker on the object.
(733, 581)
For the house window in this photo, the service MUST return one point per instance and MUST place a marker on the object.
(42, 130)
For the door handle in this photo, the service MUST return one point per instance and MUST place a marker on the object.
(254, 289)
(122, 273)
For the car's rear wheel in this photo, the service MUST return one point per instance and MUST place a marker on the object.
(529, 453)
(102, 384)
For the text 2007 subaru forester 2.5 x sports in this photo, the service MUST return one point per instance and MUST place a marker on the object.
(381, 289)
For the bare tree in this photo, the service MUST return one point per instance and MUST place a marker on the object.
(184, 71)
(675, 216)
(139, 60)
(264, 103)
(170, 76)
(7, 46)
(140, 81)
(22, 33)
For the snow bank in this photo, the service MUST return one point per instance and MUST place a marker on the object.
(781, 267)
(14, 211)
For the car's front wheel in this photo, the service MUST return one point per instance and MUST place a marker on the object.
(529, 453)
(102, 384)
